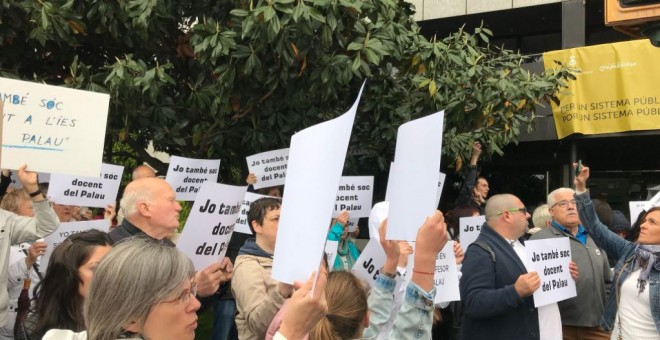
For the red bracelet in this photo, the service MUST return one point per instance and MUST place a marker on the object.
(421, 272)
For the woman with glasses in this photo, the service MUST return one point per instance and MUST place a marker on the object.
(633, 307)
(142, 289)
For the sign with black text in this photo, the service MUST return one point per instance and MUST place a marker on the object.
(446, 275)
(367, 266)
(65, 230)
(550, 259)
(470, 227)
(242, 225)
(95, 192)
(186, 175)
(355, 195)
(269, 167)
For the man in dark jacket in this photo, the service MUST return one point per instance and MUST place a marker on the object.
(496, 288)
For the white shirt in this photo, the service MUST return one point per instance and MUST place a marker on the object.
(635, 312)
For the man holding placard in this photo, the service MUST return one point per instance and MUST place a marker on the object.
(258, 296)
(580, 315)
(150, 208)
(18, 229)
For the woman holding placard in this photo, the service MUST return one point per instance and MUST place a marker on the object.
(633, 307)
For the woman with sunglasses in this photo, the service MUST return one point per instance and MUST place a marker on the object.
(633, 307)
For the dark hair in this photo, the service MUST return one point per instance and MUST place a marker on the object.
(634, 232)
(57, 301)
(454, 218)
(259, 208)
(604, 212)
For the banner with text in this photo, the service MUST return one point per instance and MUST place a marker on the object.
(65, 230)
(446, 275)
(211, 222)
(242, 225)
(616, 90)
(269, 167)
(95, 192)
(355, 195)
(550, 259)
(53, 129)
(469, 229)
(186, 175)
(368, 264)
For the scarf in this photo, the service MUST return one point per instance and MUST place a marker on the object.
(646, 258)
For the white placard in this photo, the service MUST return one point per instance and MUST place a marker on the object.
(211, 222)
(415, 181)
(470, 227)
(242, 225)
(446, 275)
(653, 202)
(441, 184)
(352, 224)
(550, 259)
(186, 175)
(43, 177)
(355, 195)
(368, 264)
(331, 252)
(65, 230)
(53, 129)
(316, 161)
(390, 180)
(269, 167)
(636, 207)
(95, 192)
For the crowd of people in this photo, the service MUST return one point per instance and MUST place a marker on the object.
(133, 283)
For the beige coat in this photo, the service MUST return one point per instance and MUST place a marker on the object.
(256, 294)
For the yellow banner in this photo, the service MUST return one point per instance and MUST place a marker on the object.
(618, 89)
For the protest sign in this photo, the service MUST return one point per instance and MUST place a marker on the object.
(415, 181)
(355, 195)
(352, 224)
(186, 175)
(65, 230)
(211, 222)
(316, 161)
(446, 275)
(368, 264)
(54, 129)
(43, 177)
(653, 202)
(331, 252)
(95, 192)
(269, 167)
(469, 229)
(242, 225)
(441, 184)
(636, 207)
(550, 259)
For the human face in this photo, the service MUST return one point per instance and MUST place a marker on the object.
(63, 212)
(519, 218)
(267, 231)
(163, 209)
(25, 208)
(174, 318)
(564, 210)
(482, 188)
(86, 271)
(649, 232)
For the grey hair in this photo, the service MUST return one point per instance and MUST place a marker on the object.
(129, 202)
(551, 196)
(137, 274)
(541, 216)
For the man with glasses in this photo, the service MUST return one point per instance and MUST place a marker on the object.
(580, 315)
(496, 287)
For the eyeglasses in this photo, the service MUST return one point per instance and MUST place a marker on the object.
(522, 210)
(564, 203)
(185, 295)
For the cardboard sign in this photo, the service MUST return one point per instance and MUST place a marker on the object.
(355, 195)
(211, 222)
(242, 225)
(331, 252)
(446, 275)
(53, 129)
(550, 259)
(65, 230)
(316, 161)
(269, 167)
(186, 175)
(368, 264)
(415, 179)
(470, 227)
(95, 192)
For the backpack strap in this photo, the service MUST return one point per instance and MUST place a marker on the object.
(486, 247)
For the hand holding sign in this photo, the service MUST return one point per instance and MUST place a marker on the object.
(28, 179)
(391, 249)
(209, 279)
(527, 284)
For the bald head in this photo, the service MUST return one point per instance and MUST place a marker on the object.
(143, 171)
(507, 215)
(150, 204)
(498, 203)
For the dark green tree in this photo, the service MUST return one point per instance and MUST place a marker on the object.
(229, 78)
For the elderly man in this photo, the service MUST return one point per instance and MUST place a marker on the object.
(17, 229)
(496, 287)
(151, 209)
(580, 315)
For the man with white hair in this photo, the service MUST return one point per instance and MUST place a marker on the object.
(580, 315)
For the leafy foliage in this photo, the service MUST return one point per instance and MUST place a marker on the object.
(230, 78)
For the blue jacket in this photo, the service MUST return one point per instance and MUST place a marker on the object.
(492, 308)
(623, 251)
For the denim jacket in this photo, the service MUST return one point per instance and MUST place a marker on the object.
(415, 318)
(623, 251)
